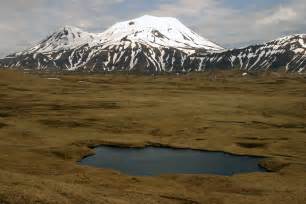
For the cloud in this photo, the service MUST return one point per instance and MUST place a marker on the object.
(25, 22)
(185, 8)
(237, 23)
(280, 15)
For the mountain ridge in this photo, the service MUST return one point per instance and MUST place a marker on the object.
(154, 44)
(287, 52)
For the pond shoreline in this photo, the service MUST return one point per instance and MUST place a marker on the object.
(267, 163)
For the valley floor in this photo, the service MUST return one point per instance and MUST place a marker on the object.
(47, 122)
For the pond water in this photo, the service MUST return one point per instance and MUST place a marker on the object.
(152, 161)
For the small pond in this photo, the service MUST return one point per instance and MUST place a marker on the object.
(152, 161)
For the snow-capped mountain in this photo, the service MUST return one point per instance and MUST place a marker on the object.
(148, 44)
(158, 32)
(288, 53)
(68, 37)
(153, 44)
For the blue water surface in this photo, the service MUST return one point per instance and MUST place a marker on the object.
(152, 161)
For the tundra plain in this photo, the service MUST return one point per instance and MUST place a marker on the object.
(49, 121)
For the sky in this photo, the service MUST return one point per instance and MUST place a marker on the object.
(229, 23)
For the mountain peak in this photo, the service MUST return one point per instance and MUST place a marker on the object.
(156, 18)
(159, 31)
(67, 37)
(157, 22)
(292, 37)
(69, 28)
(296, 41)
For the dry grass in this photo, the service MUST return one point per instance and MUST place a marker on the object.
(46, 125)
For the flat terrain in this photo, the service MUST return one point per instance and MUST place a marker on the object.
(49, 121)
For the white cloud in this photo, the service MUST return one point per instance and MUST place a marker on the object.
(25, 22)
(280, 15)
(232, 26)
(185, 8)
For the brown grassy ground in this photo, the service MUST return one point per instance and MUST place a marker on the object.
(46, 125)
